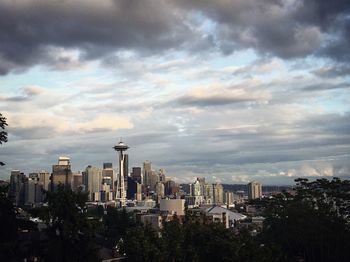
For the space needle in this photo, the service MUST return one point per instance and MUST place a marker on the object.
(121, 193)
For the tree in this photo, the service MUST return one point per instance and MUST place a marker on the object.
(313, 224)
(116, 223)
(191, 241)
(3, 134)
(142, 244)
(70, 233)
(8, 227)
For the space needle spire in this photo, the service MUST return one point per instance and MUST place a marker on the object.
(121, 193)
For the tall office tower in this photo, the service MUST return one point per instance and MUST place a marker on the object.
(153, 180)
(147, 169)
(108, 171)
(33, 176)
(254, 190)
(33, 191)
(161, 175)
(17, 191)
(136, 174)
(107, 183)
(44, 179)
(107, 165)
(160, 190)
(218, 193)
(171, 188)
(134, 189)
(121, 192)
(93, 180)
(77, 183)
(61, 173)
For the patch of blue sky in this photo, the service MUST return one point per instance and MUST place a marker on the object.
(334, 102)
(49, 79)
(237, 59)
(203, 21)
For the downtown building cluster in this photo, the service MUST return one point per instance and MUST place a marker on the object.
(141, 190)
(139, 185)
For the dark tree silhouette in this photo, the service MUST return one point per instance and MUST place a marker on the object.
(3, 133)
(71, 236)
(313, 224)
(8, 227)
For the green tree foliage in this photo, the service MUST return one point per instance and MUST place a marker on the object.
(142, 244)
(313, 224)
(8, 227)
(70, 233)
(116, 223)
(191, 241)
(3, 133)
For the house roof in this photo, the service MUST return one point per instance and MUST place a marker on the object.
(219, 210)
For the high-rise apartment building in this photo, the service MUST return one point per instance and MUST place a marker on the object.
(229, 198)
(254, 190)
(218, 193)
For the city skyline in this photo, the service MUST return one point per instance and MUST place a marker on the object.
(234, 92)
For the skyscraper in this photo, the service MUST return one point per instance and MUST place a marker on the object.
(61, 173)
(108, 171)
(218, 193)
(17, 191)
(162, 175)
(136, 174)
(121, 192)
(147, 169)
(44, 179)
(254, 190)
(77, 182)
(93, 180)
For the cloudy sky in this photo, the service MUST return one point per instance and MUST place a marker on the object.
(230, 90)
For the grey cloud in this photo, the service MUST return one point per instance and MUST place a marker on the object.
(336, 70)
(29, 29)
(326, 86)
(27, 93)
(33, 133)
(287, 29)
(33, 32)
(216, 100)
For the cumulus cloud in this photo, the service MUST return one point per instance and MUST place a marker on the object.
(35, 32)
(218, 96)
(39, 125)
(236, 90)
(63, 34)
